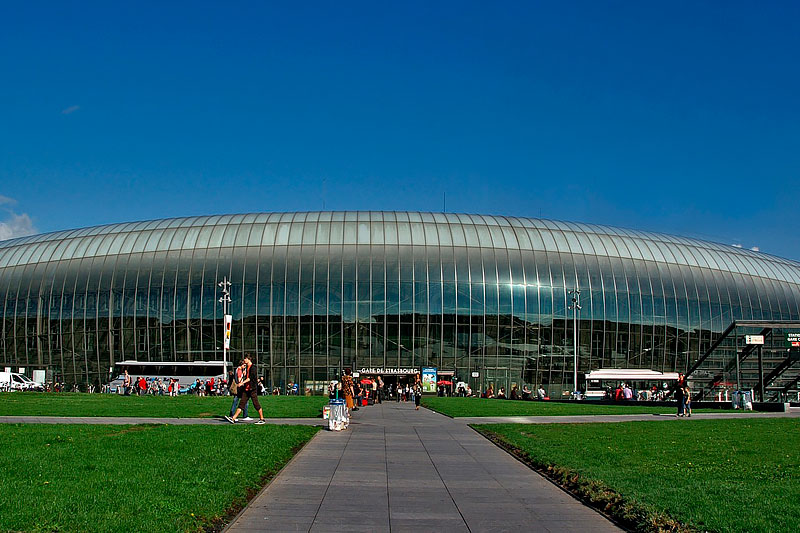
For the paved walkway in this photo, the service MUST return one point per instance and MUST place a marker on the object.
(397, 469)
(576, 419)
(118, 420)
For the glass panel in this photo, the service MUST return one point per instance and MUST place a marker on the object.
(542, 240)
(376, 232)
(152, 241)
(471, 235)
(165, 240)
(337, 233)
(242, 235)
(296, 234)
(484, 237)
(363, 233)
(498, 241)
(390, 232)
(350, 233)
(572, 241)
(256, 235)
(215, 239)
(431, 236)
(282, 234)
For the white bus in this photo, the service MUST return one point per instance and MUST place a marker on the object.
(640, 379)
(186, 372)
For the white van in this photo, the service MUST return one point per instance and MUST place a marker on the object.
(13, 381)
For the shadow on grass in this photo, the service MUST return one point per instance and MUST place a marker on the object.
(629, 514)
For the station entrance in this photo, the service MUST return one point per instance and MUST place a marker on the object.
(393, 378)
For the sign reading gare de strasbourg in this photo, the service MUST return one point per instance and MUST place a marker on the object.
(390, 371)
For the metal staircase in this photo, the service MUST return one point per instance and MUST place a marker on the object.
(771, 369)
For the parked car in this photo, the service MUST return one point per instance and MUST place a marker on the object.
(13, 381)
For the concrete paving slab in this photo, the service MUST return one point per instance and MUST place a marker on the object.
(398, 469)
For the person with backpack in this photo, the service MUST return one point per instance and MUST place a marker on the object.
(233, 387)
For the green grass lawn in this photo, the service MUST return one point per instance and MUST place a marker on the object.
(485, 407)
(718, 475)
(137, 477)
(78, 404)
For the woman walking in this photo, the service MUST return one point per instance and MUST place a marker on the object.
(417, 395)
(347, 387)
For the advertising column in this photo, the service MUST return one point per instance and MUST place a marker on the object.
(429, 379)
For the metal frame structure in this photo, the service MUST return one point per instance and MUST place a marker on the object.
(765, 329)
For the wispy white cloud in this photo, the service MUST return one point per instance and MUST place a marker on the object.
(14, 225)
(71, 109)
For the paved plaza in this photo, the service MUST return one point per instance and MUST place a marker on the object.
(397, 469)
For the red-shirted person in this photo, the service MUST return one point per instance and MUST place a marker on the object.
(249, 384)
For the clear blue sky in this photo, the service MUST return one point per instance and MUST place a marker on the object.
(679, 117)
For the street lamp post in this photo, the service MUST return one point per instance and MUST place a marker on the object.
(575, 307)
(225, 299)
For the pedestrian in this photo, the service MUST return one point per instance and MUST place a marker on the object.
(380, 390)
(332, 390)
(358, 393)
(417, 392)
(687, 400)
(126, 384)
(250, 385)
(347, 388)
(236, 391)
(627, 392)
(679, 396)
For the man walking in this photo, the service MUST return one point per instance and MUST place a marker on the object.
(250, 386)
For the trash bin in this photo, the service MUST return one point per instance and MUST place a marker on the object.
(339, 418)
(742, 399)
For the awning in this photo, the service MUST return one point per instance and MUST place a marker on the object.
(630, 374)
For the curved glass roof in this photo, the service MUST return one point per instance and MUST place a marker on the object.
(390, 228)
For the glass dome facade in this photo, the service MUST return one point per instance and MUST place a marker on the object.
(313, 292)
